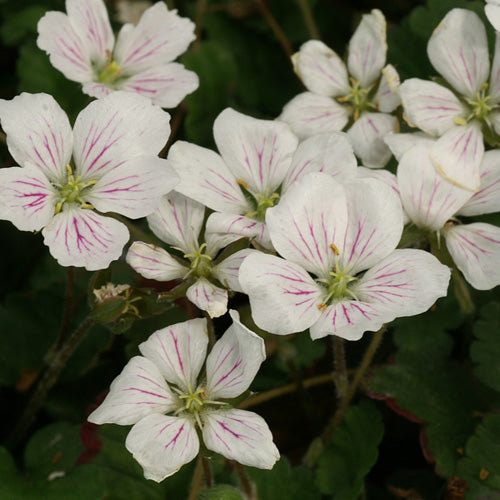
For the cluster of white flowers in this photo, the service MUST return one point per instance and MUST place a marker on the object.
(324, 231)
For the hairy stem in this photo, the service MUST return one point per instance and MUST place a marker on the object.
(196, 480)
(246, 484)
(207, 471)
(275, 27)
(341, 380)
(309, 19)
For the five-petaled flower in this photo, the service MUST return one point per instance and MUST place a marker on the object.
(68, 178)
(178, 221)
(357, 98)
(163, 396)
(342, 274)
(82, 46)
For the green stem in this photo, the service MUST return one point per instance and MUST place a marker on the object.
(210, 331)
(48, 380)
(200, 8)
(207, 471)
(275, 27)
(341, 379)
(309, 19)
(246, 484)
(196, 480)
(320, 443)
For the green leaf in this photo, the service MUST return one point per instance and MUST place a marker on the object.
(221, 492)
(485, 350)
(12, 484)
(480, 466)
(352, 453)
(283, 481)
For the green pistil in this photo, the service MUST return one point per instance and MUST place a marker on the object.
(261, 201)
(201, 263)
(337, 286)
(480, 107)
(357, 98)
(193, 401)
(110, 73)
(71, 191)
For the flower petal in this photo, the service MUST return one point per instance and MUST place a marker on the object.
(206, 178)
(208, 297)
(475, 249)
(138, 391)
(162, 445)
(228, 270)
(234, 361)
(38, 133)
(428, 198)
(387, 97)
(258, 152)
(399, 144)
(492, 12)
(308, 114)
(321, 70)
(27, 198)
(154, 262)
(330, 153)
(115, 129)
(430, 106)
(368, 49)
(133, 188)
(283, 297)
(67, 51)
(457, 155)
(494, 85)
(165, 85)
(487, 199)
(458, 49)
(178, 221)
(178, 351)
(310, 218)
(367, 138)
(159, 37)
(83, 238)
(96, 89)
(240, 435)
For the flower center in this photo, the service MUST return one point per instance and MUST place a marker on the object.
(260, 202)
(480, 108)
(357, 98)
(193, 401)
(201, 263)
(71, 192)
(111, 71)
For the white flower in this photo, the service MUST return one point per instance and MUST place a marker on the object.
(82, 46)
(163, 396)
(342, 274)
(458, 49)
(433, 203)
(358, 97)
(107, 163)
(178, 221)
(259, 160)
(492, 11)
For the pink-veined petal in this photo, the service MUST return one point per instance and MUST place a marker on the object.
(492, 11)
(367, 138)
(310, 218)
(258, 152)
(208, 297)
(475, 249)
(240, 435)
(368, 49)
(428, 198)
(165, 85)
(457, 155)
(83, 238)
(387, 97)
(308, 114)
(178, 221)
(91, 23)
(162, 444)
(222, 224)
(154, 262)
(487, 199)
(228, 270)
(330, 153)
(133, 189)
(96, 89)
(283, 297)
(138, 391)
(206, 178)
(27, 198)
(38, 133)
(374, 224)
(159, 37)
(321, 70)
(399, 144)
(494, 84)
(178, 351)
(115, 129)
(458, 49)
(430, 106)
(67, 51)
(234, 361)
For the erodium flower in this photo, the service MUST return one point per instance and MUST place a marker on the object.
(357, 98)
(163, 396)
(178, 221)
(82, 46)
(468, 112)
(259, 160)
(68, 178)
(340, 273)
